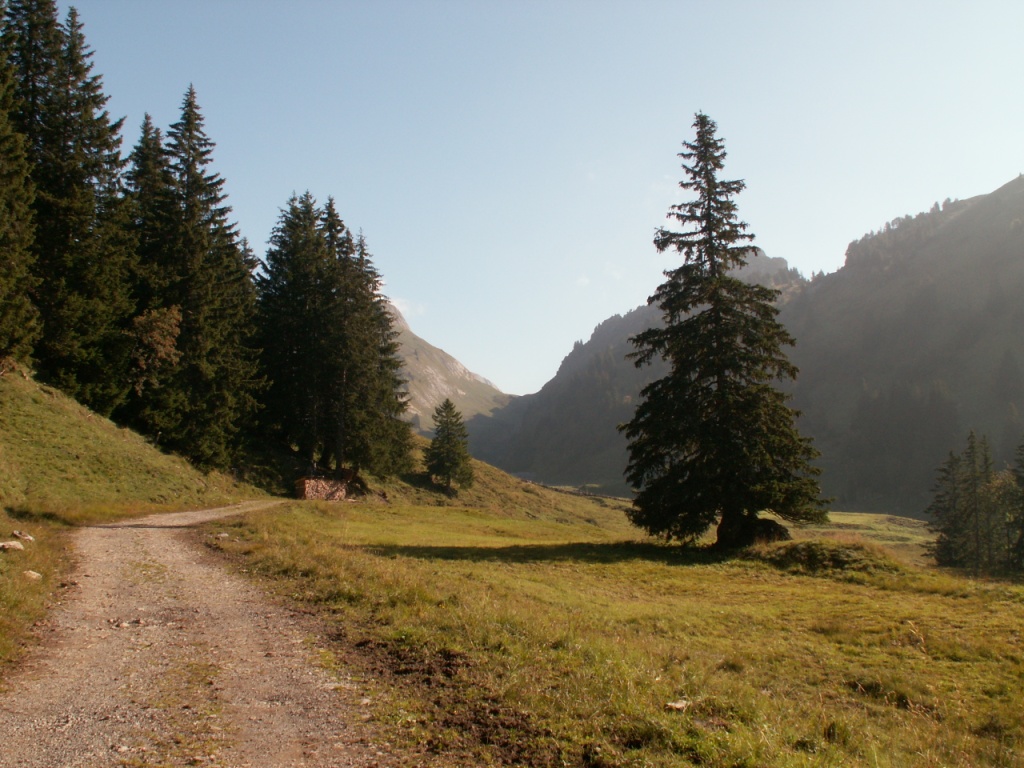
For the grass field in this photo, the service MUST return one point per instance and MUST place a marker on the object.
(517, 625)
(560, 637)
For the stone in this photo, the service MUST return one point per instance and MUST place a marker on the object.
(23, 536)
(11, 545)
(32, 575)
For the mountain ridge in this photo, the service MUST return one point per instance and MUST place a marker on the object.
(901, 351)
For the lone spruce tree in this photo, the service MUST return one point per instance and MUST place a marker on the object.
(448, 457)
(714, 441)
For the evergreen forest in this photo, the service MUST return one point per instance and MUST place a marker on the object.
(125, 283)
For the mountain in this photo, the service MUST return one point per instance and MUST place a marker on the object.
(915, 341)
(565, 434)
(912, 343)
(434, 375)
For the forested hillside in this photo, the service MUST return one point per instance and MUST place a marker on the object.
(913, 343)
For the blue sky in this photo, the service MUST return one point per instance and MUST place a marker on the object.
(509, 161)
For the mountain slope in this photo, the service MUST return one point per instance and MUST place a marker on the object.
(566, 433)
(434, 375)
(912, 343)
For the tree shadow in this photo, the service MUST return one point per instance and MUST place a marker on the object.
(577, 552)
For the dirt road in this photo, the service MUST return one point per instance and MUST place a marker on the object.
(159, 657)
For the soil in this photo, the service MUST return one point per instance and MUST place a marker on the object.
(158, 656)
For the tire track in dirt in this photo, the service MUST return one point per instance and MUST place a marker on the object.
(160, 657)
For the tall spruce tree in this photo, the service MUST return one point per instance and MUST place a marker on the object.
(329, 350)
(713, 440)
(210, 395)
(150, 191)
(156, 328)
(19, 318)
(949, 512)
(84, 257)
(295, 293)
(374, 435)
(447, 458)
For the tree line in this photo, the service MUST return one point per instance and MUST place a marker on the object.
(978, 511)
(124, 283)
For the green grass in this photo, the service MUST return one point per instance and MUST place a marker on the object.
(62, 466)
(552, 634)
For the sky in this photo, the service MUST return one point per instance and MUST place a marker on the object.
(509, 161)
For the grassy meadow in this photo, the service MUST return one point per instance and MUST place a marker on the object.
(519, 625)
(528, 627)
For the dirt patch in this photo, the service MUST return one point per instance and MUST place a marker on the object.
(465, 725)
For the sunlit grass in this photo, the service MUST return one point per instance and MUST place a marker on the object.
(625, 652)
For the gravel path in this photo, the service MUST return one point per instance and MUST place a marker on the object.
(160, 657)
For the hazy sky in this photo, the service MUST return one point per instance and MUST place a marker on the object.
(509, 161)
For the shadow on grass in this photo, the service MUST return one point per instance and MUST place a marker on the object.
(25, 515)
(582, 552)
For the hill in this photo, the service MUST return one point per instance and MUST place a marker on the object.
(434, 375)
(912, 343)
(58, 456)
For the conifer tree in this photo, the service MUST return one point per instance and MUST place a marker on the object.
(374, 435)
(948, 509)
(714, 440)
(19, 319)
(447, 458)
(328, 346)
(84, 257)
(978, 513)
(150, 191)
(210, 395)
(294, 295)
(1015, 517)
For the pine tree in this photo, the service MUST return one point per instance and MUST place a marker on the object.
(19, 319)
(714, 440)
(376, 398)
(295, 291)
(84, 257)
(978, 513)
(210, 395)
(447, 458)
(329, 348)
(948, 510)
(150, 192)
